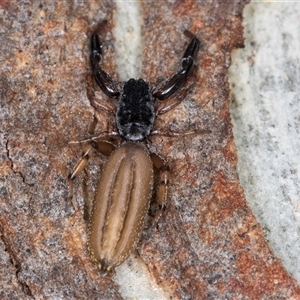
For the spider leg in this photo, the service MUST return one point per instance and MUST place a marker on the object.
(104, 136)
(98, 105)
(104, 147)
(105, 82)
(78, 168)
(171, 85)
(165, 106)
(168, 133)
(162, 188)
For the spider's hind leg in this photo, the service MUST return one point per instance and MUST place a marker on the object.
(162, 188)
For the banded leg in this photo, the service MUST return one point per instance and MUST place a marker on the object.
(104, 148)
(79, 167)
(162, 190)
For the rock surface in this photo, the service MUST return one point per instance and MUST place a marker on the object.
(207, 245)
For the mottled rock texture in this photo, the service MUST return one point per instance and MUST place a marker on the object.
(207, 245)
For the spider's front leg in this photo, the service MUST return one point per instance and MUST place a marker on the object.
(105, 82)
(171, 85)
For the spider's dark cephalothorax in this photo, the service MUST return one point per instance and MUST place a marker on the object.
(135, 111)
(135, 108)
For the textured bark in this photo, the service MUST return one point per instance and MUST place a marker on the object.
(207, 245)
